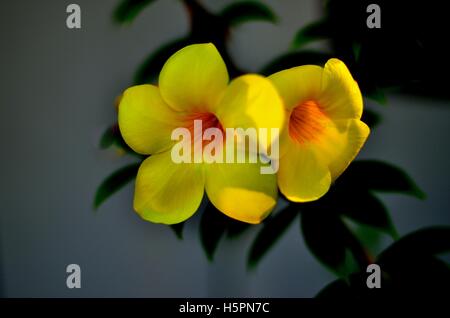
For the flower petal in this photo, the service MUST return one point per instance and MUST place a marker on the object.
(251, 101)
(302, 175)
(145, 121)
(298, 84)
(333, 87)
(194, 78)
(240, 191)
(340, 143)
(340, 96)
(167, 192)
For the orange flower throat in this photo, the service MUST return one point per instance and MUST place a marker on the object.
(306, 122)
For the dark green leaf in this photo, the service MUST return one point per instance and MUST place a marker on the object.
(115, 182)
(363, 207)
(378, 176)
(370, 237)
(150, 69)
(371, 118)
(244, 11)
(356, 51)
(128, 10)
(326, 237)
(377, 95)
(178, 229)
(213, 225)
(315, 31)
(112, 136)
(236, 228)
(428, 242)
(295, 59)
(272, 230)
(336, 289)
(108, 138)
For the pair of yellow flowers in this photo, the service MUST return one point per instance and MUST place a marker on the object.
(317, 110)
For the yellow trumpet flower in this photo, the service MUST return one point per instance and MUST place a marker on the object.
(193, 85)
(323, 133)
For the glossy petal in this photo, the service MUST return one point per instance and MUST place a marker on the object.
(303, 176)
(194, 78)
(166, 192)
(252, 101)
(307, 170)
(340, 95)
(240, 191)
(340, 143)
(298, 84)
(145, 121)
(333, 87)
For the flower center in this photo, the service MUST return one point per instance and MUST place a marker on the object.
(208, 120)
(306, 122)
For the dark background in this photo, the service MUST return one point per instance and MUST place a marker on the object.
(57, 92)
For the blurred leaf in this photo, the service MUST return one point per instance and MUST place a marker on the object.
(408, 269)
(369, 237)
(114, 182)
(326, 237)
(336, 289)
(212, 228)
(214, 225)
(428, 242)
(371, 118)
(356, 51)
(295, 59)
(272, 230)
(415, 275)
(245, 11)
(150, 69)
(128, 10)
(178, 229)
(108, 138)
(236, 228)
(379, 176)
(377, 95)
(314, 31)
(112, 136)
(363, 207)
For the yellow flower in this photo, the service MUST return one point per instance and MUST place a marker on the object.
(193, 85)
(324, 132)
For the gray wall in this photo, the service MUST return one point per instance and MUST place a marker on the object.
(57, 88)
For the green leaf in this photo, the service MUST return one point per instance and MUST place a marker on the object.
(115, 182)
(272, 230)
(178, 229)
(370, 237)
(379, 176)
(425, 242)
(112, 136)
(245, 11)
(128, 10)
(212, 227)
(108, 138)
(317, 30)
(377, 94)
(236, 228)
(326, 237)
(295, 59)
(150, 69)
(363, 207)
(336, 289)
(356, 47)
(371, 118)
